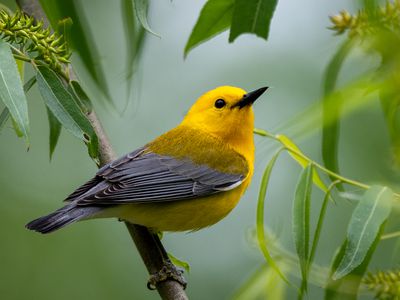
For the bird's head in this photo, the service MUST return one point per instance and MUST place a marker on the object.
(225, 112)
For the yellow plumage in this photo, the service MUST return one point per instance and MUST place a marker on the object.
(186, 179)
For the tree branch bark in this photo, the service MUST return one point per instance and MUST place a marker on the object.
(148, 244)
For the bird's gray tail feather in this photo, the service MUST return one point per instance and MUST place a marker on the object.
(62, 217)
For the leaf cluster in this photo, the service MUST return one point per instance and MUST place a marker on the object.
(33, 39)
(385, 284)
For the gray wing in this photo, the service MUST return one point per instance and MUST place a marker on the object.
(142, 177)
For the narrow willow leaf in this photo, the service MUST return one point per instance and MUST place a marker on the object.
(55, 130)
(81, 97)
(135, 37)
(80, 38)
(301, 222)
(370, 213)
(179, 263)
(261, 236)
(141, 7)
(5, 114)
(346, 288)
(215, 17)
(331, 113)
(252, 16)
(294, 152)
(11, 91)
(320, 223)
(62, 104)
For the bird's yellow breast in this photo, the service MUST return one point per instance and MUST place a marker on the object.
(183, 215)
(192, 214)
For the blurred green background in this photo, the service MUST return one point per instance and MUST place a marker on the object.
(97, 259)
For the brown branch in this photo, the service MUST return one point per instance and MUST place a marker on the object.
(148, 244)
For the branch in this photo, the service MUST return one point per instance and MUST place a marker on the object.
(148, 244)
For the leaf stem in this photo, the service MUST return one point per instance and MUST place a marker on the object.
(391, 235)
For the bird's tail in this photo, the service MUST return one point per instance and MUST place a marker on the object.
(62, 217)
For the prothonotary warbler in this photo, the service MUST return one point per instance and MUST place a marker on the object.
(188, 178)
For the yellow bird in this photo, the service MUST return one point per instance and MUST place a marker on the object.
(188, 178)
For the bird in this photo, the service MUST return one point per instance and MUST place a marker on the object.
(187, 179)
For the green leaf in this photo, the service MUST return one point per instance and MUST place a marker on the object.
(179, 263)
(346, 288)
(141, 7)
(261, 236)
(55, 130)
(331, 113)
(11, 91)
(252, 16)
(299, 157)
(134, 36)
(5, 114)
(81, 39)
(62, 104)
(370, 213)
(215, 17)
(301, 222)
(80, 96)
(320, 223)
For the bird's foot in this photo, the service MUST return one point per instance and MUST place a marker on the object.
(168, 271)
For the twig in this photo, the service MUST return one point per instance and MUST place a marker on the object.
(148, 245)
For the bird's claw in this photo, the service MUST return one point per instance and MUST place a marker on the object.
(168, 271)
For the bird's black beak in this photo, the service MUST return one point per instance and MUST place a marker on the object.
(249, 98)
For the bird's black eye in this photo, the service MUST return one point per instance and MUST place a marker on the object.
(220, 103)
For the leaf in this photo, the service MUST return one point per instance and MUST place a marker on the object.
(134, 36)
(5, 114)
(261, 237)
(215, 17)
(252, 16)
(11, 91)
(55, 130)
(331, 113)
(80, 96)
(370, 213)
(62, 104)
(80, 37)
(179, 263)
(320, 223)
(141, 7)
(301, 221)
(346, 288)
(299, 157)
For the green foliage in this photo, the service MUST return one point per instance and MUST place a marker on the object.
(62, 104)
(33, 38)
(384, 284)
(367, 21)
(215, 17)
(252, 16)
(261, 236)
(369, 215)
(346, 288)
(179, 262)
(241, 16)
(55, 130)
(80, 37)
(330, 132)
(141, 7)
(301, 222)
(12, 93)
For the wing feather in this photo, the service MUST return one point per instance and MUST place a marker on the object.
(143, 177)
